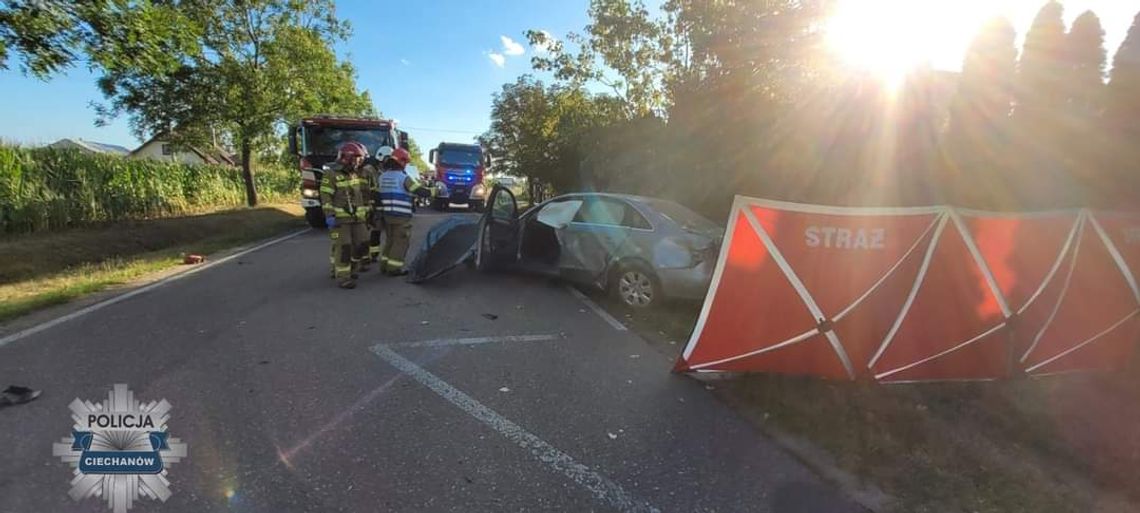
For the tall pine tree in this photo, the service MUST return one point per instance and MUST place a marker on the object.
(1038, 114)
(1123, 98)
(1082, 143)
(1086, 61)
(976, 139)
(1122, 113)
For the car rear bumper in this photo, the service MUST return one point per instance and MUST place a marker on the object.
(686, 283)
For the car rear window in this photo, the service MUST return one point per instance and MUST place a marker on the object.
(685, 218)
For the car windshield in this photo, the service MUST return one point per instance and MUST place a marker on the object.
(324, 141)
(685, 218)
(460, 156)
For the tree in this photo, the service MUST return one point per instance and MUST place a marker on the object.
(1123, 95)
(622, 48)
(257, 65)
(548, 134)
(1083, 143)
(1042, 68)
(50, 35)
(1042, 176)
(976, 139)
(1085, 55)
(417, 154)
(1122, 111)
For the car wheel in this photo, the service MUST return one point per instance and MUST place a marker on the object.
(636, 286)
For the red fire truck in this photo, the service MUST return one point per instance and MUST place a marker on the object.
(315, 140)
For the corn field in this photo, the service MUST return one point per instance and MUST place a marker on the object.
(46, 189)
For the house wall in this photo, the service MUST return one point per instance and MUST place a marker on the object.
(154, 150)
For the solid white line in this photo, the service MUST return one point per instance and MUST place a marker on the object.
(1061, 296)
(1085, 343)
(889, 272)
(801, 289)
(1116, 256)
(1056, 264)
(599, 486)
(943, 353)
(968, 239)
(913, 291)
(617, 325)
(141, 290)
(794, 340)
(721, 260)
(440, 342)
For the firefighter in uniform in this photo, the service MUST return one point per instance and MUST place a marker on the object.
(375, 223)
(346, 199)
(394, 199)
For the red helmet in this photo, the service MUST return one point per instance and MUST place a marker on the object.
(402, 156)
(351, 153)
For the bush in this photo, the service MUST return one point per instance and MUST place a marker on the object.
(47, 189)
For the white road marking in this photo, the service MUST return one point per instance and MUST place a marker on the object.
(141, 290)
(439, 342)
(599, 486)
(617, 325)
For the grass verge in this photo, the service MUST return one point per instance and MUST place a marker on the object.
(42, 270)
(1062, 444)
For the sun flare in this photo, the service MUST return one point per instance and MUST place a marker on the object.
(889, 38)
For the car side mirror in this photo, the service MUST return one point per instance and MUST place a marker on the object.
(432, 155)
(293, 149)
(403, 139)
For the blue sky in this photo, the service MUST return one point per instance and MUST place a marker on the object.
(427, 63)
(434, 64)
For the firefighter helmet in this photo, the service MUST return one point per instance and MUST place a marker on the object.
(351, 154)
(402, 156)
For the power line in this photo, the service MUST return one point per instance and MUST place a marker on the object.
(421, 129)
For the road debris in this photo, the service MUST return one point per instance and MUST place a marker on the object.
(490, 316)
(504, 389)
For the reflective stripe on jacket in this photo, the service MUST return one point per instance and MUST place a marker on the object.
(345, 194)
(394, 194)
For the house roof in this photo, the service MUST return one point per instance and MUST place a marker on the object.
(96, 147)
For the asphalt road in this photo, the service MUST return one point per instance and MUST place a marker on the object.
(293, 395)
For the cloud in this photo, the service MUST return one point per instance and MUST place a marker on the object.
(405, 62)
(545, 46)
(512, 47)
(499, 59)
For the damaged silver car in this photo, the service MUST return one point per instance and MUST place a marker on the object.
(642, 250)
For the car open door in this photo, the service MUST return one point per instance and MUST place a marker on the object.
(498, 231)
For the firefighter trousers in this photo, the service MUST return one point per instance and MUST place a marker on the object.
(349, 247)
(397, 232)
(375, 229)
